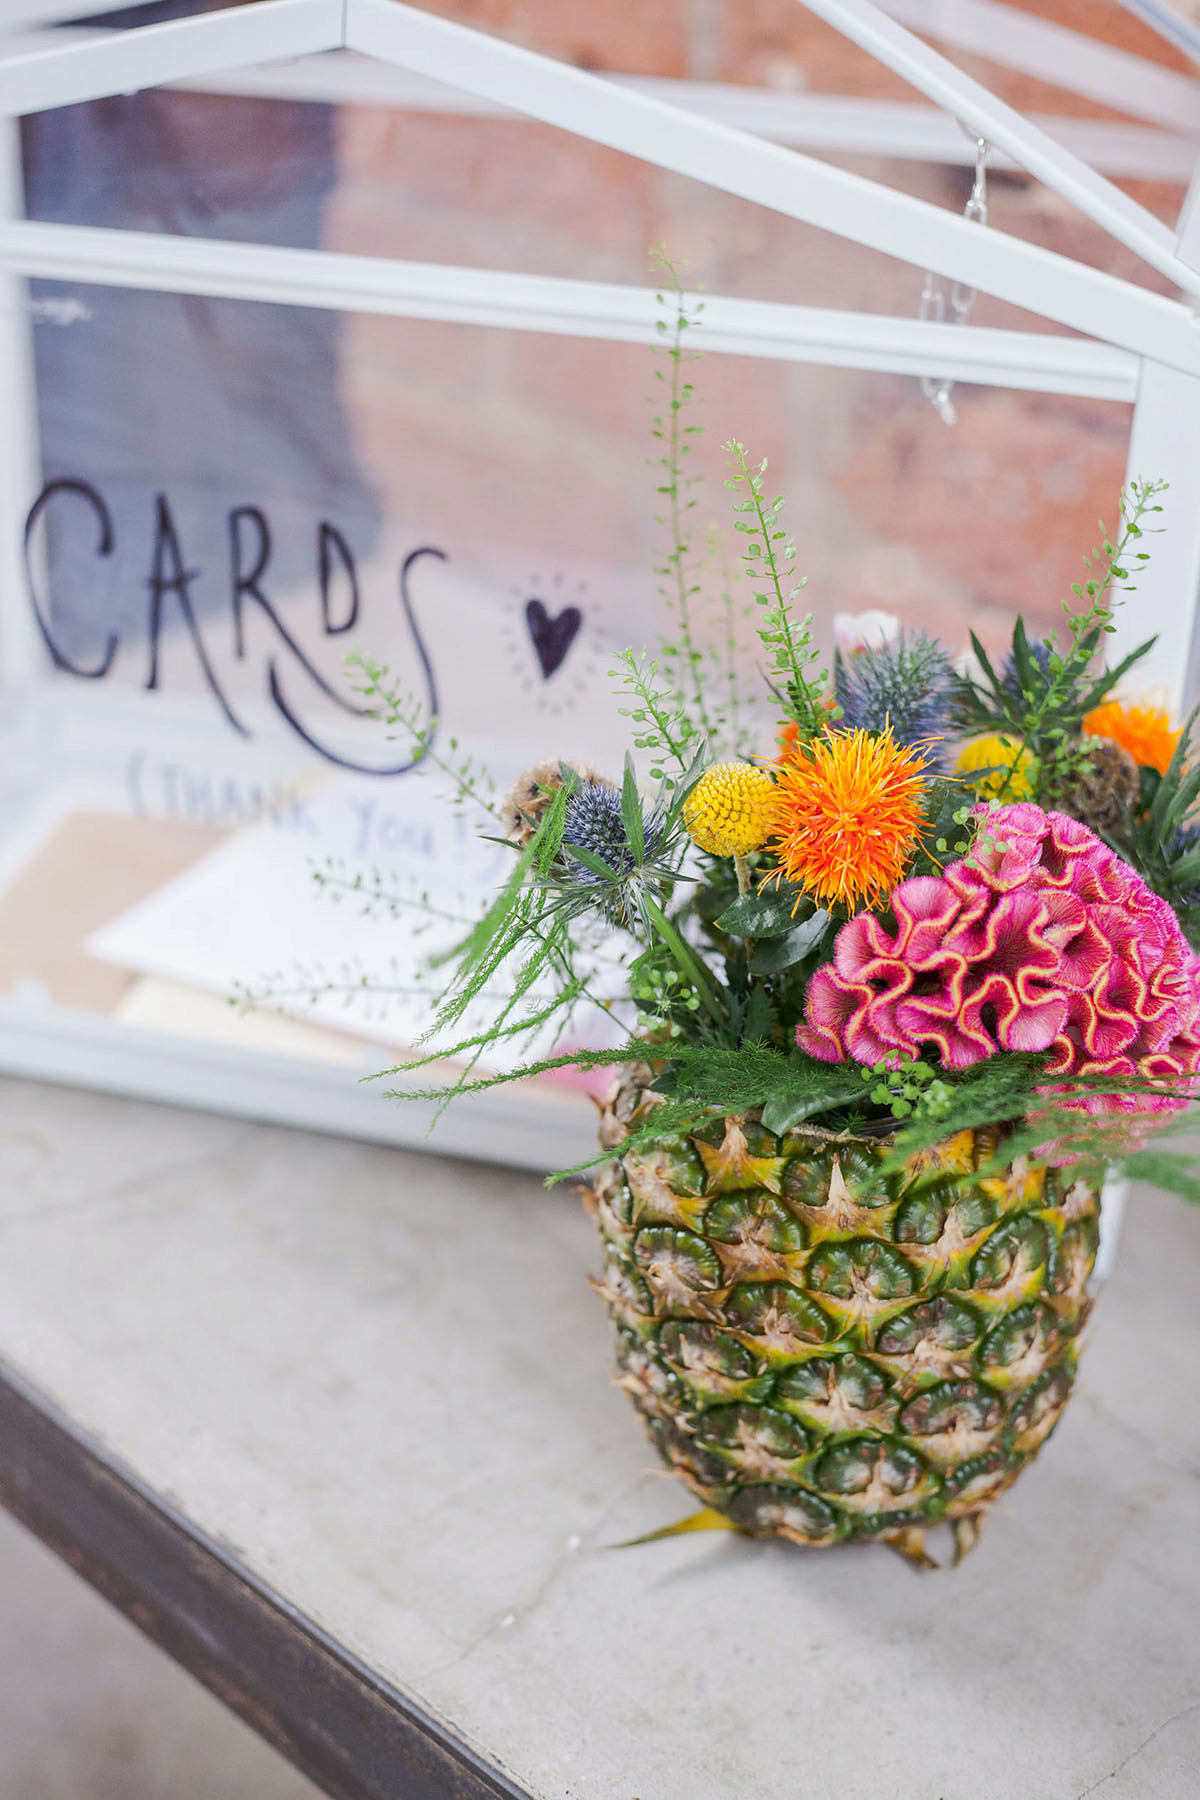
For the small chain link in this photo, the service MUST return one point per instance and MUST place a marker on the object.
(954, 306)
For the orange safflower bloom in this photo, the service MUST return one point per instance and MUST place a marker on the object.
(789, 732)
(1144, 731)
(847, 815)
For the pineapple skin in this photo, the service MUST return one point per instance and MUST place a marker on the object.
(825, 1355)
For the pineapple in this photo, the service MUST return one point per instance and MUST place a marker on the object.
(824, 1354)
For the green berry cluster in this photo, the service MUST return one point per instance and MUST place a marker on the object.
(662, 993)
(905, 1086)
(960, 846)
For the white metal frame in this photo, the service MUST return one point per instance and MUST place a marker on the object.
(830, 123)
(1015, 39)
(1004, 34)
(1169, 23)
(1138, 345)
(1159, 332)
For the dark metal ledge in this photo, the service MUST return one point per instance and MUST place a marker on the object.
(349, 1732)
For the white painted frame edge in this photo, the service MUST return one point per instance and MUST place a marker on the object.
(1002, 34)
(537, 1129)
(636, 124)
(832, 124)
(321, 278)
(986, 116)
(64, 72)
(826, 123)
(1167, 22)
(785, 181)
(1066, 59)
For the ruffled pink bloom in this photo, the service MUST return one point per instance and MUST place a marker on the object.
(1044, 941)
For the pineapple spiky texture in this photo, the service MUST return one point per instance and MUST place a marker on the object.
(824, 1353)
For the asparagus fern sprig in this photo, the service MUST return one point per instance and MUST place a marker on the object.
(793, 666)
(682, 658)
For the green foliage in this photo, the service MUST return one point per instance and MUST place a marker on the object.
(632, 1050)
(1163, 839)
(393, 705)
(946, 827)
(1041, 699)
(1174, 1173)
(732, 703)
(777, 953)
(700, 658)
(765, 915)
(666, 998)
(1011, 1091)
(908, 1087)
(770, 561)
(716, 980)
(1066, 764)
(662, 723)
(682, 659)
(372, 895)
(703, 1080)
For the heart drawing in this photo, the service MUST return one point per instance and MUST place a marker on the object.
(552, 637)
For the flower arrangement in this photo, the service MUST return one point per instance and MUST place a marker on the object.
(952, 877)
(905, 961)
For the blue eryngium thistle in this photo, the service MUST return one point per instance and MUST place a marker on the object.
(905, 684)
(615, 856)
(593, 822)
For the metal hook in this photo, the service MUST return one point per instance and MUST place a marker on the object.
(936, 303)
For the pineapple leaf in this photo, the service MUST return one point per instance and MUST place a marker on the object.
(707, 1519)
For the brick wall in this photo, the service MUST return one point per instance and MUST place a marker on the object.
(529, 441)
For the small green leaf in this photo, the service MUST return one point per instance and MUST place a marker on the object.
(781, 952)
(782, 1111)
(631, 812)
(764, 915)
(595, 865)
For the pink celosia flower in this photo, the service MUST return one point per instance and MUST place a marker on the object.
(1044, 941)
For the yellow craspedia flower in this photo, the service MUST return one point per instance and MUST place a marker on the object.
(1010, 767)
(729, 811)
(1144, 731)
(847, 816)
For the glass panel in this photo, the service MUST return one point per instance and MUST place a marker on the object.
(239, 492)
(443, 182)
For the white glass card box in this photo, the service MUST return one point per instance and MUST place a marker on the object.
(186, 556)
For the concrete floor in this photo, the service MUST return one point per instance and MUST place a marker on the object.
(90, 1710)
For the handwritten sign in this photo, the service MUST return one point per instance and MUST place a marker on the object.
(555, 653)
